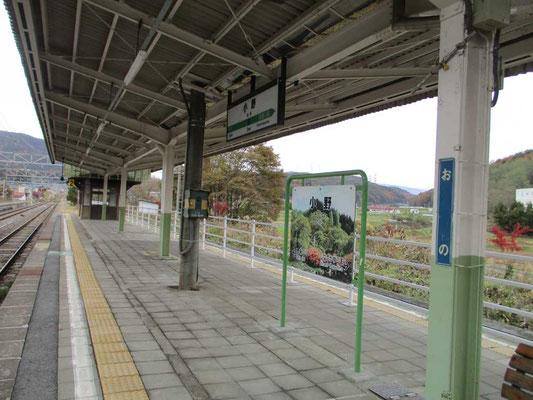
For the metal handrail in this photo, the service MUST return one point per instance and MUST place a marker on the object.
(253, 245)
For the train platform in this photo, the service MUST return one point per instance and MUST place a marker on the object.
(95, 314)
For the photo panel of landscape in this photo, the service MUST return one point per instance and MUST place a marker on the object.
(323, 230)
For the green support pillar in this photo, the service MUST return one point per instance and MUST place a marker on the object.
(164, 247)
(121, 218)
(122, 199)
(460, 211)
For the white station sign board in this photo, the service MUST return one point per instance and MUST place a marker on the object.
(255, 112)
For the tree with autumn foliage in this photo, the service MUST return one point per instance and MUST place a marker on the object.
(507, 242)
(313, 257)
(249, 181)
(220, 208)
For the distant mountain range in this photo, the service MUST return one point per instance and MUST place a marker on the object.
(13, 142)
(505, 176)
(407, 189)
(21, 143)
(377, 194)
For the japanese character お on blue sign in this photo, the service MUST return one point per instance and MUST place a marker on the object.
(445, 211)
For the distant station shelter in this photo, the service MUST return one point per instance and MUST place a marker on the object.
(121, 86)
(90, 187)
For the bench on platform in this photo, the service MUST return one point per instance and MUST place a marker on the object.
(518, 379)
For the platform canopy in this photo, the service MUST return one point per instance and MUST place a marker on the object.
(104, 74)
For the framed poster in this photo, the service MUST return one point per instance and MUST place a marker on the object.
(323, 230)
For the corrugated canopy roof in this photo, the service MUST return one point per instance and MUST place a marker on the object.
(346, 58)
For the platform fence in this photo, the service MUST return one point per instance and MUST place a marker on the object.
(263, 242)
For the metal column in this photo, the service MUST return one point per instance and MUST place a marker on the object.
(167, 184)
(104, 198)
(178, 190)
(460, 211)
(193, 180)
(122, 198)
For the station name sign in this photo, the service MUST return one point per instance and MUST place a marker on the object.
(261, 109)
(445, 211)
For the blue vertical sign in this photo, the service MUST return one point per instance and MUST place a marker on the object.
(445, 211)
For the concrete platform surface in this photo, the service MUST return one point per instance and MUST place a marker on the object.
(121, 319)
(224, 341)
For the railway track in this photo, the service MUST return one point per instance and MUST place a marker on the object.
(10, 213)
(13, 242)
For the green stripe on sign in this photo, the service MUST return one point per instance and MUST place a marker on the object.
(252, 120)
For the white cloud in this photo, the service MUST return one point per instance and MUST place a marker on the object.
(398, 145)
(17, 113)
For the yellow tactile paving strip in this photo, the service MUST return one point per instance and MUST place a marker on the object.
(119, 377)
(486, 343)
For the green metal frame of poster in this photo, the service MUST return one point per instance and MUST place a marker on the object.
(362, 249)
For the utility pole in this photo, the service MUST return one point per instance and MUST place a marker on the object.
(104, 197)
(189, 234)
(178, 189)
(122, 198)
(167, 184)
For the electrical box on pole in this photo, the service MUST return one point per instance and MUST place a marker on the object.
(196, 204)
(491, 14)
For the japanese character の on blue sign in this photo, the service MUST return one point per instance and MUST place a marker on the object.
(445, 211)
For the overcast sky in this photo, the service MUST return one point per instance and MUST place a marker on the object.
(395, 146)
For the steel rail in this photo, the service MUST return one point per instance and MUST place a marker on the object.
(10, 234)
(26, 240)
(12, 213)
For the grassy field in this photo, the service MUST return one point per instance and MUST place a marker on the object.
(407, 226)
(376, 223)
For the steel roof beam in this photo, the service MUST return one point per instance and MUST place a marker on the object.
(100, 64)
(114, 149)
(361, 33)
(100, 76)
(96, 168)
(135, 67)
(70, 158)
(334, 91)
(104, 133)
(240, 13)
(427, 53)
(102, 157)
(369, 73)
(285, 32)
(310, 107)
(132, 158)
(79, 5)
(152, 132)
(182, 36)
(171, 14)
(366, 31)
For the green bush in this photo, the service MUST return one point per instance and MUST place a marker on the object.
(72, 195)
